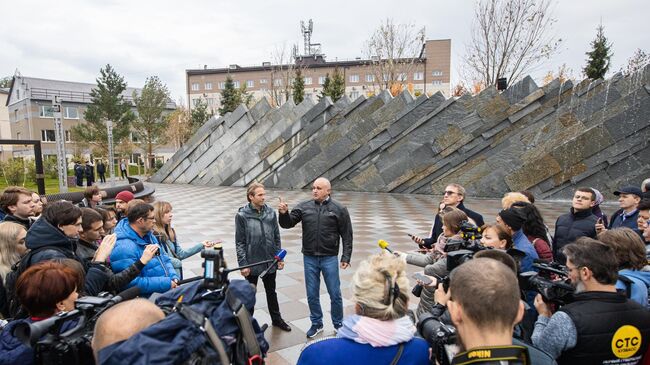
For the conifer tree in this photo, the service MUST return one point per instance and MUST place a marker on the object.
(230, 99)
(298, 87)
(599, 57)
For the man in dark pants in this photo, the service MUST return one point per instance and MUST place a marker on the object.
(90, 174)
(324, 223)
(101, 170)
(257, 238)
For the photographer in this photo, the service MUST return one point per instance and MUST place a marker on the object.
(484, 333)
(601, 325)
(44, 289)
(380, 330)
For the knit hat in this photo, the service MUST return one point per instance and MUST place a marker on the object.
(513, 218)
(125, 196)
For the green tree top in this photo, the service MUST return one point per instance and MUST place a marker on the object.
(334, 87)
(598, 60)
(150, 104)
(229, 97)
(298, 87)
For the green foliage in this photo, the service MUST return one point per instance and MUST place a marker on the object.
(5, 82)
(107, 104)
(150, 104)
(13, 171)
(50, 168)
(232, 97)
(598, 61)
(199, 115)
(334, 87)
(298, 87)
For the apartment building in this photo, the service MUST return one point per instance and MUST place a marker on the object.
(430, 74)
(31, 115)
(5, 128)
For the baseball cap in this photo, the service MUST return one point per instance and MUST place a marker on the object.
(629, 190)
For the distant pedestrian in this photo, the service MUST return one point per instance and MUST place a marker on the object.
(90, 173)
(79, 173)
(123, 167)
(101, 171)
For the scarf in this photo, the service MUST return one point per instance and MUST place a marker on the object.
(375, 332)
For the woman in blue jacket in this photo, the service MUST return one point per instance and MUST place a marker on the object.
(380, 330)
(166, 236)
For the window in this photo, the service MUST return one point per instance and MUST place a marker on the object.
(370, 78)
(67, 136)
(47, 135)
(236, 83)
(354, 78)
(134, 137)
(46, 111)
(401, 77)
(436, 82)
(354, 95)
(263, 81)
(277, 82)
(250, 83)
(418, 76)
(16, 115)
(321, 80)
(208, 86)
(385, 77)
(195, 86)
(196, 101)
(436, 73)
(210, 101)
(71, 112)
(18, 94)
(308, 81)
(222, 85)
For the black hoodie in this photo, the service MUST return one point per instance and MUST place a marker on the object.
(43, 235)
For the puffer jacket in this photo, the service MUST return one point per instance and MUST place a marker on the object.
(570, 227)
(13, 351)
(44, 235)
(257, 237)
(157, 275)
(322, 225)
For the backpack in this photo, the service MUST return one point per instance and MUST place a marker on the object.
(14, 308)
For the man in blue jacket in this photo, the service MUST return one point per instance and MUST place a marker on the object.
(133, 235)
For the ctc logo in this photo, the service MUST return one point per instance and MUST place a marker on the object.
(626, 342)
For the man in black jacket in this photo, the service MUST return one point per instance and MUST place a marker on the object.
(101, 171)
(600, 325)
(324, 223)
(579, 222)
(453, 196)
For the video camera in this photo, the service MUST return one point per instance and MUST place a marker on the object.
(440, 336)
(73, 345)
(552, 282)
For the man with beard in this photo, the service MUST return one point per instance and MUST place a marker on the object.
(601, 325)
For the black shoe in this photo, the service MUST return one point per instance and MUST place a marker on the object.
(281, 324)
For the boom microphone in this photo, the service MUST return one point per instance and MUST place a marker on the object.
(278, 257)
(125, 295)
(384, 246)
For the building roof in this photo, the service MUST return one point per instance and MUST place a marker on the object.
(70, 91)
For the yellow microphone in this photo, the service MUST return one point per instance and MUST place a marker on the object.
(384, 246)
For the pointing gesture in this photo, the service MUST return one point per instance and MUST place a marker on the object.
(283, 208)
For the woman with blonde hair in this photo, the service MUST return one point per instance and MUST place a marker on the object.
(380, 329)
(12, 245)
(166, 236)
(511, 198)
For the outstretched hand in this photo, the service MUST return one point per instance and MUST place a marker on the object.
(104, 250)
(283, 208)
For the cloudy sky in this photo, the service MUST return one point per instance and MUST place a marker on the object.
(71, 40)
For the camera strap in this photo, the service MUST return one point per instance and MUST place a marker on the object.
(204, 324)
(511, 354)
(246, 327)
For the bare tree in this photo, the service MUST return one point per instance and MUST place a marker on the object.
(283, 69)
(509, 39)
(393, 51)
(179, 128)
(635, 63)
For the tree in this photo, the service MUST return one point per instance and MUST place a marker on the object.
(394, 51)
(108, 103)
(334, 86)
(509, 39)
(150, 124)
(5, 82)
(229, 97)
(199, 115)
(282, 73)
(298, 87)
(564, 73)
(598, 61)
(179, 128)
(637, 62)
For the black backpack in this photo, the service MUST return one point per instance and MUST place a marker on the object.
(12, 304)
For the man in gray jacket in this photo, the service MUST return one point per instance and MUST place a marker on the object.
(324, 223)
(257, 238)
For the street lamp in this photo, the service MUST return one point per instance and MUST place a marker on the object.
(111, 166)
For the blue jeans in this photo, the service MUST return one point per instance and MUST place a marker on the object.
(329, 266)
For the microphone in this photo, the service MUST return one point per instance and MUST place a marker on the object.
(278, 257)
(384, 246)
(125, 295)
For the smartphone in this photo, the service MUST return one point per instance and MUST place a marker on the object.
(410, 235)
(423, 278)
(600, 220)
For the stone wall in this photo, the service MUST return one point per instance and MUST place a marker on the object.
(546, 139)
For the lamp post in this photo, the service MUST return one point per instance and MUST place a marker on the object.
(111, 160)
(59, 136)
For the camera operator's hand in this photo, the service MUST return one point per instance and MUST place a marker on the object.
(283, 208)
(280, 265)
(441, 296)
(207, 244)
(104, 250)
(174, 284)
(148, 253)
(541, 306)
(245, 272)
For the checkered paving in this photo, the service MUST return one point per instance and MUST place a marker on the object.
(207, 213)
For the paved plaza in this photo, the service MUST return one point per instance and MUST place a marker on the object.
(207, 213)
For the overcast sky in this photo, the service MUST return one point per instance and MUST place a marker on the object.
(72, 40)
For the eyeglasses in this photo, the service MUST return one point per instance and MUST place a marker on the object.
(150, 218)
(449, 192)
